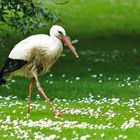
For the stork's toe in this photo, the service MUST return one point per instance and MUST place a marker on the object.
(58, 113)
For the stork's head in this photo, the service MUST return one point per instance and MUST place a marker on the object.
(59, 32)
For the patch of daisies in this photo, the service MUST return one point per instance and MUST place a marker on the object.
(81, 114)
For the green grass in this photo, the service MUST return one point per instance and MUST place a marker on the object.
(109, 71)
(102, 118)
(99, 18)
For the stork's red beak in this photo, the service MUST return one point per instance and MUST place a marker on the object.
(67, 42)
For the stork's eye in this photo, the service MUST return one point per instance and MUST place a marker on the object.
(60, 32)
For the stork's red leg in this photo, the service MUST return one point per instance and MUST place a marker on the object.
(30, 93)
(56, 112)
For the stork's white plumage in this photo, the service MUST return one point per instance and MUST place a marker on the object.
(34, 56)
(50, 44)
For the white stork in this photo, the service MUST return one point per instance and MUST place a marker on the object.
(34, 56)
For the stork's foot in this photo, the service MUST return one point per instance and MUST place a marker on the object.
(57, 113)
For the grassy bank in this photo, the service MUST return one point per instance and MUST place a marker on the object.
(100, 18)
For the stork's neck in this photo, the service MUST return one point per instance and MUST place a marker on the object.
(55, 39)
(57, 48)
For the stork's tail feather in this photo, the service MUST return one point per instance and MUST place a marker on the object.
(10, 66)
(2, 81)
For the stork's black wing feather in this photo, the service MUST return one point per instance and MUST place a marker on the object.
(11, 65)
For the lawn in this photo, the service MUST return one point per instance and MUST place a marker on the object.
(100, 100)
(85, 118)
(93, 18)
(98, 94)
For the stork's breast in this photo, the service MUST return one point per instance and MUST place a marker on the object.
(43, 59)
